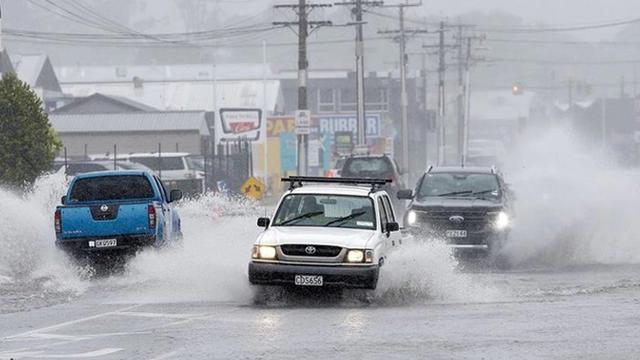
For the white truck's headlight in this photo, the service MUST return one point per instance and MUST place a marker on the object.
(412, 217)
(355, 256)
(359, 256)
(502, 221)
(263, 252)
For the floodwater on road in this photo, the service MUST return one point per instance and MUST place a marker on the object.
(571, 291)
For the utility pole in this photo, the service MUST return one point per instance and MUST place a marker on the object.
(302, 10)
(468, 62)
(441, 98)
(441, 51)
(404, 100)
(461, 95)
(360, 88)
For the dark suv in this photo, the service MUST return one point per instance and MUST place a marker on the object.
(375, 167)
(470, 208)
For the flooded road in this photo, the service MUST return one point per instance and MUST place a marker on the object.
(571, 291)
(559, 314)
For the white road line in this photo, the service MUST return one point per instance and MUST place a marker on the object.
(72, 322)
(43, 355)
(160, 315)
(172, 354)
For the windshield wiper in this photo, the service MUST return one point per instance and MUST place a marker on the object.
(484, 191)
(456, 193)
(300, 217)
(345, 218)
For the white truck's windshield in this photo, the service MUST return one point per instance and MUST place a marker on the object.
(356, 212)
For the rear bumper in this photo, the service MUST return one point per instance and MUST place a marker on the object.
(340, 276)
(124, 243)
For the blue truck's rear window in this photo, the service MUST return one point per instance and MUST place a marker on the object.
(123, 187)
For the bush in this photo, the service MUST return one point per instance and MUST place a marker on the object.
(28, 143)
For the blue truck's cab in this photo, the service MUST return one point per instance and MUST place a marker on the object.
(116, 211)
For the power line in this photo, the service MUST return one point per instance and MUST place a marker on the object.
(523, 29)
(557, 62)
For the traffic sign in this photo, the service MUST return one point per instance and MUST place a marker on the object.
(253, 188)
(303, 122)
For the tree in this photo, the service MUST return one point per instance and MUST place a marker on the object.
(28, 143)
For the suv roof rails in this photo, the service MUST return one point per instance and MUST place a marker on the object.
(297, 181)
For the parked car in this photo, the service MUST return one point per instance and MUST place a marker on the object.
(336, 170)
(80, 167)
(326, 235)
(175, 169)
(376, 167)
(116, 211)
(469, 208)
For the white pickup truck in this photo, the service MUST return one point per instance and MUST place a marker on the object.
(337, 232)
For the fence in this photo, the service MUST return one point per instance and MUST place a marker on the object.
(229, 166)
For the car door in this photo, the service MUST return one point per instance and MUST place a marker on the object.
(396, 236)
(387, 242)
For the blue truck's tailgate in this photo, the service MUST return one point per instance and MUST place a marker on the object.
(82, 221)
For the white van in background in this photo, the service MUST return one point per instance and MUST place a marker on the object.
(175, 169)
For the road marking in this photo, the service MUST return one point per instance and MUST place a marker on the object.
(43, 355)
(160, 315)
(168, 355)
(72, 322)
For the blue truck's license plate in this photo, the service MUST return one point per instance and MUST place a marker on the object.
(106, 243)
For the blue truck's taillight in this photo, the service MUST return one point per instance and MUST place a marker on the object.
(151, 211)
(58, 221)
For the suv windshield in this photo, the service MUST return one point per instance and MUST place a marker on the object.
(368, 167)
(164, 164)
(354, 212)
(124, 187)
(459, 184)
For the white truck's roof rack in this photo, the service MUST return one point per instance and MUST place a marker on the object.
(297, 181)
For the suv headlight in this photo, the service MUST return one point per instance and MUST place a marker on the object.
(263, 252)
(502, 221)
(412, 217)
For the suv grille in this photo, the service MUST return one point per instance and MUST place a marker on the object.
(320, 250)
(440, 220)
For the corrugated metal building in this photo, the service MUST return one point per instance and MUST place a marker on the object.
(179, 87)
(86, 134)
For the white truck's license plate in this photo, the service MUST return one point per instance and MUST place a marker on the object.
(456, 233)
(106, 243)
(309, 280)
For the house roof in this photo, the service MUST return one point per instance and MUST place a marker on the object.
(130, 122)
(164, 73)
(125, 103)
(5, 62)
(29, 67)
(178, 87)
(189, 95)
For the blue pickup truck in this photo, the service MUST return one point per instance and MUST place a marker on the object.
(116, 212)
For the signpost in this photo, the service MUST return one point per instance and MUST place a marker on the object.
(303, 122)
(253, 188)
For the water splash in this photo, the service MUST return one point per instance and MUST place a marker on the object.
(210, 265)
(27, 239)
(427, 270)
(574, 204)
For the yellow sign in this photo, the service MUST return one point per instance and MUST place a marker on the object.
(253, 188)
